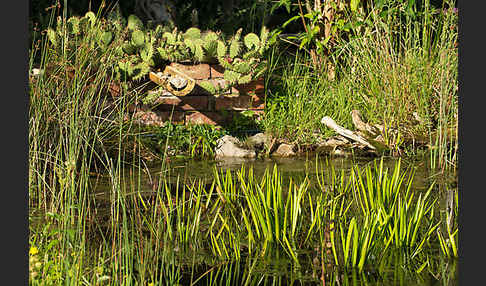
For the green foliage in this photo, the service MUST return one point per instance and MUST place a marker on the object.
(235, 44)
(242, 67)
(170, 38)
(209, 86)
(101, 37)
(234, 48)
(138, 38)
(242, 61)
(138, 49)
(134, 23)
(210, 44)
(192, 140)
(52, 36)
(73, 25)
(107, 37)
(325, 24)
(91, 17)
(233, 215)
(244, 79)
(192, 33)
(221, 50)
(231, 76)
(252, 41)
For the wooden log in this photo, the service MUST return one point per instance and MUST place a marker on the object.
(367, 129)
(329, 122)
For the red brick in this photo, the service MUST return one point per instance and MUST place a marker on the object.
(259, 113)
(254, 87)
(168, 100)
(198, 90)
(114, 89)
(177, 117)
(217, 71)
(198, 71)
(182, 103)
(131, 107)
(237, 103)
(157, 118)
(212, 118)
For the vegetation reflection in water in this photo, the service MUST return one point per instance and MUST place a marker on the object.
(362, 226)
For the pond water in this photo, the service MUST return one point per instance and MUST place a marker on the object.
(277, 268)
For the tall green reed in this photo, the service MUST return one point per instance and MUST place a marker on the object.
(398, 69)
(68, 131)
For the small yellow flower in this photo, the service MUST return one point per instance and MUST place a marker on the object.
(151, 284)
(33, 250)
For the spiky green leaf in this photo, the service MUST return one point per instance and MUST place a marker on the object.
(210, 37)
(192, 33)
(251, 41)
(354, 5)
(92, 18)
(235, 48)
(224, 63)
(138, 38)
(134, 23)
(242, 67)
(198, 53)
(245, 79)
(140, 70)
(106, 37)
(163, 53)
(251, 56)
(263, 39)
(52, 36)
(128, 48)
(146, 53)
(221, 49)
(169, 37)
(237, 35)
(73, 25)
(208, 86)
(190, 44)
(231, 77)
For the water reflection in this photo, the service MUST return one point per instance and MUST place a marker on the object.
(200, 267)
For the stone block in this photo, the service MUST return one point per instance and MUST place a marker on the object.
(217, 71)
(238, 103)
(209, 117)
(198, 71)
(157, 118)
(255, 87)
(167, 103)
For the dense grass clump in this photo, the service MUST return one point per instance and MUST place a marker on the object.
(399, 72)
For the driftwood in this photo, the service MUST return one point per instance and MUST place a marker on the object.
(366, 134)
(329, 122)
(370, 131)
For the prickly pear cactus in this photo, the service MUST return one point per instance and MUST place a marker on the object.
(192, 33)
(138, 49)
(97, 34)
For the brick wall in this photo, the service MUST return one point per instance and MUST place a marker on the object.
(199, 106)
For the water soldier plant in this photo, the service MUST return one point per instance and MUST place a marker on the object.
(237, 212)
